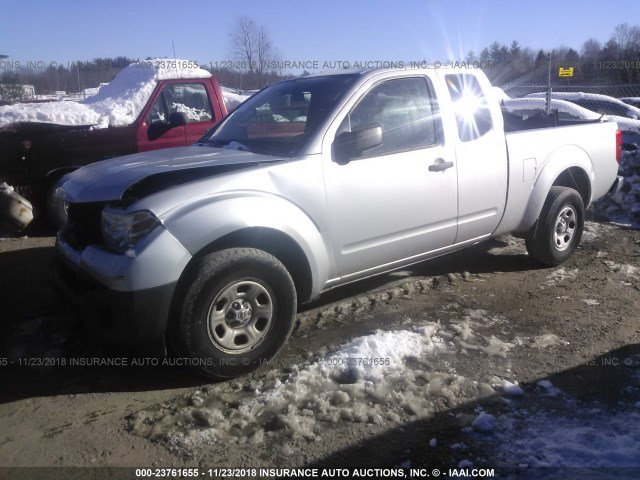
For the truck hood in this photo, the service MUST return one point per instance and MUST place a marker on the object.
(110, 179)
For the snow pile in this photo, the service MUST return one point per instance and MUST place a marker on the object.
(512, 389)
(484, 422)
(624, 206)
(116, 104)
(550, 389)
(381, 379)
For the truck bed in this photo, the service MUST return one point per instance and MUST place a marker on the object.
(516, 123)
(534, 154)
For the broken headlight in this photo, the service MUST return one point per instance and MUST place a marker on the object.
(121, 231)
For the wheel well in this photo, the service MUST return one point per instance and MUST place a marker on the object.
(60, 172)
(577, 179)
(278, 244)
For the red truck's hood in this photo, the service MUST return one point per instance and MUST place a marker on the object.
(110, 179)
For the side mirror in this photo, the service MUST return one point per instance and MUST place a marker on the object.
(349, 145)
(177, 119)
(629, 147)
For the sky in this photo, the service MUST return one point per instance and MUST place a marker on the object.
(39, 32)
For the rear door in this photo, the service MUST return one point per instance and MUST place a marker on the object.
(481, 153)
(397, 201)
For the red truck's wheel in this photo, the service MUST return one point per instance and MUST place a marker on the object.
(237, 313)
(559, 228)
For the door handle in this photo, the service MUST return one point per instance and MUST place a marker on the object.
(440, 166)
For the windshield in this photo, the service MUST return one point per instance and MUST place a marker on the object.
(280, 119)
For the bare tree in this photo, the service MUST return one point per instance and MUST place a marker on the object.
(625, 43)
(252, 52)
(626, 38)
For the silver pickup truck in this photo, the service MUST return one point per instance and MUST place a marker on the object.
(313, 183)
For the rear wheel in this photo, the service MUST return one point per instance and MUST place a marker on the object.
(556, 234)
(237, 313)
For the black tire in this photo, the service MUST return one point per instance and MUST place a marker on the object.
(556, 234)
(237, 312)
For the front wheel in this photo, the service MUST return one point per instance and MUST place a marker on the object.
(558, 230)
(237, 313)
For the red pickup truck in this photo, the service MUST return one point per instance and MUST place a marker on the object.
(160, 109)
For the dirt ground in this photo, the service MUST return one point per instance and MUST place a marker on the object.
(94, 416)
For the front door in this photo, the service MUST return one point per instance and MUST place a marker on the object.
(398, 200)
(188, 98)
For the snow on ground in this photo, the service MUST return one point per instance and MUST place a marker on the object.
(116, 104)
(560, 275)
(383, 379)
(407, 375)
(564, 434)
(510, 246)
(592, 231)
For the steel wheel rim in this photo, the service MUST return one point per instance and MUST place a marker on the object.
(240, 316)
(565, 229)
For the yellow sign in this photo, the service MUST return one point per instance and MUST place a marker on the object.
(566, 72)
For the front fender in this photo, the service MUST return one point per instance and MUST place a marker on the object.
(198, 225)
(560, 160)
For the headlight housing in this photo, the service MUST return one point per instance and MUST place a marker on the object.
(121, 231)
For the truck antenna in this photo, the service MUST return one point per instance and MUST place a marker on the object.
(549, 88)
(173, 45)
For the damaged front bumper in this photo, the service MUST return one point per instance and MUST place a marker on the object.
(125, 299)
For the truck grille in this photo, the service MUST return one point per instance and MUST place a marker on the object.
(84, 225)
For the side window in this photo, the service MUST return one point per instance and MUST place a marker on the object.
(191, 99)
(406, 110)
(158, 114)
(472, 113)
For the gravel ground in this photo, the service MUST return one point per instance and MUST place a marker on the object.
(497, 337)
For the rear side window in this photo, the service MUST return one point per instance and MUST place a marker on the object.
(472, 113)
(406, 110)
